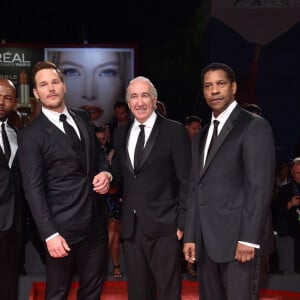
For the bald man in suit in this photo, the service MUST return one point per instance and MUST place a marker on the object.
(155, 189)
(11, 196)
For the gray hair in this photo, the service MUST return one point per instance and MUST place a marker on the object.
(153, 91)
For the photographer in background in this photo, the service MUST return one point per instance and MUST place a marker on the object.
(287, 206)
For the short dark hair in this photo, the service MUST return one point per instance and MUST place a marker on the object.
(100, 129)
(120, 104)
(219, 66)
(254, 108)
(161, 108)
(45, 65)
(190, 119)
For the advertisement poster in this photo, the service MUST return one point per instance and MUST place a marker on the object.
(96, 77)
(16, 64)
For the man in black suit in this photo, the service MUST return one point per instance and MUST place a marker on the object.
(229, 225)
(63, 177)
(10, 196)
(155, 188)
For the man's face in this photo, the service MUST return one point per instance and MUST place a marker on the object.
(121, 114)
(50, 90)
(218, 91)
(140, 101)
(193, 128)
(296, 171)
(7, 99)
(102, 138)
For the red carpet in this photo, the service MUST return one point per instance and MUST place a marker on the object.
(117, 290)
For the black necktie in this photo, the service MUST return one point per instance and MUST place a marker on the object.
(139, 148)
(70, 132)
(6, 144)
(214, 136)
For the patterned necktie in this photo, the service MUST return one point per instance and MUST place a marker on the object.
(139, 148)
(214, 136)
(70, 132)
(7, 150)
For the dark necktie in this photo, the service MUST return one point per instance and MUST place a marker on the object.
(6, 144)
(70, 132)
(139, 148)
(214, 136)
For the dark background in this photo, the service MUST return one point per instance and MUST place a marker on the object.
(174, 41)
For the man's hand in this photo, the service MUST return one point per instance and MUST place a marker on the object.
(293, 202)
(244, 253)
(189, 251)
(58, 247)
(101, 182)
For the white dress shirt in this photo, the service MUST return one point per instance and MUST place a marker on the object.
(53, 117)
(12, 138)
(222, 118)
(134, 133)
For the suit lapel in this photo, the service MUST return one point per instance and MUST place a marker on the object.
(125, 148)
(3, 159)
(84, 135)
(150, 143)
(55, 134)
(2, 155)
(221, 137)
(202, 141)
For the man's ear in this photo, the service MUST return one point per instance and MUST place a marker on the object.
(234, 88)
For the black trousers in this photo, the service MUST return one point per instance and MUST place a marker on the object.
(10, 247)
(228, 281)
(89, 258)
(153, 266)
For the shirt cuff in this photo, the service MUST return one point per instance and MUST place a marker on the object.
(109, 175)
(52, 236)
(250, 244)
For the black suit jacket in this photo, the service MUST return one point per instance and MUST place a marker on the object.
(230, 198)
(58, 180)
(11, 195)
(157, 191)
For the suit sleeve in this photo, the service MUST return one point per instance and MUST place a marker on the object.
(101, 159)
(259, 167)
(191, 223)
(181, 153)
(31, 165)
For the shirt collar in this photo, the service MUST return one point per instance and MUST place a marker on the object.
(223, 116)
(148, 123)
(4, 122)
(53, 115)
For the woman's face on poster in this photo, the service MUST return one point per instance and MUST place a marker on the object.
(94, 81)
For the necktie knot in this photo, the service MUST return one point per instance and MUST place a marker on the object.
(63, 118)
(6, 145)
